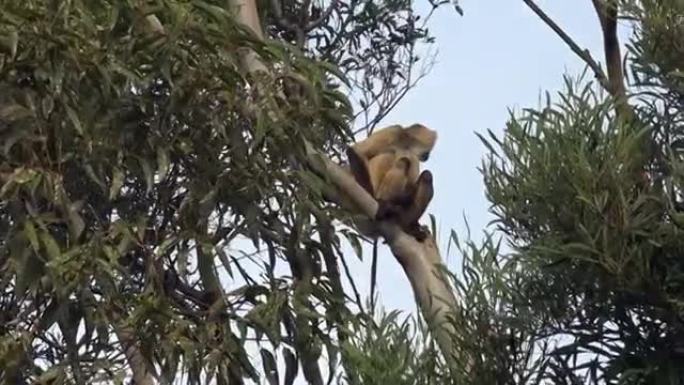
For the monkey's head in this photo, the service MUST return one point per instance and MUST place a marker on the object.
(421, 139)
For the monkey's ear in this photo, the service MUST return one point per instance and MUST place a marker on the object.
(359, 168)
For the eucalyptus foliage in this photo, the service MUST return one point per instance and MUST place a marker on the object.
(155, 213)
(131, 161)
(590, 204)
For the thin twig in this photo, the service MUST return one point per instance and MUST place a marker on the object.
(350, 279)
(582, 53)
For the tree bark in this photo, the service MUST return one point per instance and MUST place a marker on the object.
(607, 12)
(136, 360)
(247, 13)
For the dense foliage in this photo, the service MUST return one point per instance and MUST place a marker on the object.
(153, 199)
(154, 211)
(590, 204)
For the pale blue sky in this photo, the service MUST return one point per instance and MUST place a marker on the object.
(499, 55)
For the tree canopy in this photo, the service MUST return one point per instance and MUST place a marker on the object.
(161, 221)
(140, 159)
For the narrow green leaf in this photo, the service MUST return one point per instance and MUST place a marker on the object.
(9, 43)
(162, 162)
(76, 223)
(166, 244)
(291, 367)
(270, 367)
(148, 173)
(224, 260)
(355, 244)
(117, 182)
(73, 117)
(51, 246)
(90, 172)
(14, 112)
(29, 271)
(30, 232)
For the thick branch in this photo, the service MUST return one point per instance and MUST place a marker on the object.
(136, 360)
(607, 11)
(246, 12)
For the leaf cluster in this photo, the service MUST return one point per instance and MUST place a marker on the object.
(132, 163)
(590, 205)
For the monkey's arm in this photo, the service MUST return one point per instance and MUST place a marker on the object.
(378, 142)
(360, 170)
(369, 173)
(394, 192)
(421, 197)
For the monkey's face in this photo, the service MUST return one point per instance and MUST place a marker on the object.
(422, 139)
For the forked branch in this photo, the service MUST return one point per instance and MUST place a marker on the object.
(582, 53)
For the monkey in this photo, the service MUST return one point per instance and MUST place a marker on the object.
(386, 165)
(415, 141)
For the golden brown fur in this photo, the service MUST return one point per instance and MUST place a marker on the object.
(386, 164)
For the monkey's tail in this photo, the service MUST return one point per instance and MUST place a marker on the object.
(374, 275)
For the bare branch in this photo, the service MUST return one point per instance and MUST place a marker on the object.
(582, 53)
(248, 15)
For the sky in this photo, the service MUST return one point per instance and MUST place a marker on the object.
(498, 57)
